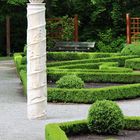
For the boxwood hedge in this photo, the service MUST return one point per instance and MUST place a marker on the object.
(23, 77)
(98, 77)
(119, 59)
(61, 56)
(92, 95)
(133, 63)
(113, 70)
(18, 60)
(77, 127)
(88, 95)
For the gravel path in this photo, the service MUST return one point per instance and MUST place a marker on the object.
(14, 124)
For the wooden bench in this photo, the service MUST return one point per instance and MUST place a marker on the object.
(74, 46)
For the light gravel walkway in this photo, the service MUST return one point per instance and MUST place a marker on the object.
(14, 124)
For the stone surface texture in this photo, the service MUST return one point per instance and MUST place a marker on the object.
(36, 60)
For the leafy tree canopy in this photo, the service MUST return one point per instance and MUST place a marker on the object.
(15, 2)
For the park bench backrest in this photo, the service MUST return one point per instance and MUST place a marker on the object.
(75, 44)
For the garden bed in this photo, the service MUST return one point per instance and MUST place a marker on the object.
(123, 135)
(79, 129)
(104, 78)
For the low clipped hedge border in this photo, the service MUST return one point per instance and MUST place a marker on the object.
(98, 77)
(61, 56)
(88, 95)
(113, 66)
(133, 63)
(23, 78)
(92, 95)
(114, 70)
(18, 60)
(54, 132)
(119, 59)
(62, 130)
(95, 67)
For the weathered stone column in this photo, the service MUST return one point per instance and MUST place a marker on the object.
(36, 60)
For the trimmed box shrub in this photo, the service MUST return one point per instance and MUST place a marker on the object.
(105, 117)
(70, 81)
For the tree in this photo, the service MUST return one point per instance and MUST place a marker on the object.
(15, 9)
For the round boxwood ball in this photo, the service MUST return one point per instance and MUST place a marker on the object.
(105, 117)
(70, 81)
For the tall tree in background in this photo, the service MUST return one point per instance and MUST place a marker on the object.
(17, 11)
(97, 18)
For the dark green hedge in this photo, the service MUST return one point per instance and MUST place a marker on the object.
(99, 77)
(132, 123)
(93, 67)
(23, 67)
(91, 95)
(80, 66)
(23, 77)
(88, 95)
(75, 127)
(18, 60)
(110, 66)
(80, 127)
(133, 63)
(24, 60)
(113, 70)
(119, 59)
(61, 56)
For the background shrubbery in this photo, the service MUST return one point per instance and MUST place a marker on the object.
(131, 49)
(106, 21)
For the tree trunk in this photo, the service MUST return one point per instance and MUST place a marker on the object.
(36, 61)
(8, 35)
